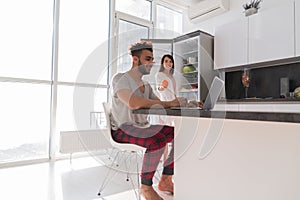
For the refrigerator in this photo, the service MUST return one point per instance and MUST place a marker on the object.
(193, 61)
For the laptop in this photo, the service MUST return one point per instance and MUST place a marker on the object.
(212, 96)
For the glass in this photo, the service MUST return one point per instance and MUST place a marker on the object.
(137, 8)
(83, 32)
(292, 94)
(168, 23)
(128, 34)
(246, 81)
(26, 39)
(75, 106)
(25, 121)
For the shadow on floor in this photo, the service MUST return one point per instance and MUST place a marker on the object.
(84, 184)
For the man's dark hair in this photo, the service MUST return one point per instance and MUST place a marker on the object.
(137, 48)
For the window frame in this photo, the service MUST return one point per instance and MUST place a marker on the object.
(114, 43)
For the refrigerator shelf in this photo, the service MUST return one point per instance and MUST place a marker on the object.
(188, 90)
(190, 52)
(189, 83)
(194, 63)
(190, 74)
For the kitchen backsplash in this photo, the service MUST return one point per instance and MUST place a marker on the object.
(265, 82)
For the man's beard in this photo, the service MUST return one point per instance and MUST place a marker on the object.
(142, 69)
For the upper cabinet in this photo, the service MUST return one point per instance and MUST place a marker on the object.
(297, 23)
(271, 33)
(267, 35)
(230, 44)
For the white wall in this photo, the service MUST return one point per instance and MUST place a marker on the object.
(235, 12)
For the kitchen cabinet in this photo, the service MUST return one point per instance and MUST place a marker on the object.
(297, 28)
(267, 35)
(271, 33)
(230, 44)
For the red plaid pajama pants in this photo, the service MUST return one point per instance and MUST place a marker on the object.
(154, 139)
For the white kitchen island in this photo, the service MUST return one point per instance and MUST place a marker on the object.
(251, 159)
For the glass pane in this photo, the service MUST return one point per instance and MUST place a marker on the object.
(77, 106)
(128, 34)
(26, 38)
(137, 8)
(83, 38)
(168, 23)
(25, 121)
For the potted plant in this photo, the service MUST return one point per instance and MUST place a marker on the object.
(251, 7)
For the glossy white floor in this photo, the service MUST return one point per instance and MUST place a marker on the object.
(62, 180)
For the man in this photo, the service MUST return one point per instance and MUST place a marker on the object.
(129, 92)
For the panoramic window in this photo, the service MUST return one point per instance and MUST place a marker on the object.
(83, 32)
(83, 61)
(26, 73)
(128, 33)
(130, 7)
(168, 22)
(26, 40)
(41, 89)
(25, 79)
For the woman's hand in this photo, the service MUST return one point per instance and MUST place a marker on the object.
(161, 88)
(164, 84)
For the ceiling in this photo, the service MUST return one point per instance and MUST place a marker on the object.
(186, 2)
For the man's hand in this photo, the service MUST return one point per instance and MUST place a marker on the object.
(194, 103)
(182, 101)
(178, 102)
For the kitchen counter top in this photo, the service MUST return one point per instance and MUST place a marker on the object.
(261, 100)
(258, 116)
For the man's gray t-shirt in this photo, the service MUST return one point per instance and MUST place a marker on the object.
(121, 114)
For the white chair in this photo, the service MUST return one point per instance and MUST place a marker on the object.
(124, 151)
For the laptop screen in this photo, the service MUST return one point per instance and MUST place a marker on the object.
(213, 93)
(211, 98)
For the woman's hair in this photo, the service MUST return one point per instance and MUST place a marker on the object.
(161, 69)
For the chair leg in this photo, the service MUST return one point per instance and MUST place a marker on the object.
(138, 177)
(106, 181)
(110, 154)
(137, 191)
(124, 158)
(126, 166)
(132, 161)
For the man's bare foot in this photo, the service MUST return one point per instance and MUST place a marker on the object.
(166, 184)
(149, 193)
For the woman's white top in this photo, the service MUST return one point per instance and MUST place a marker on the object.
(169, 93)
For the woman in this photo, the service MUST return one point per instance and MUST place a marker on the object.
(166, 85)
